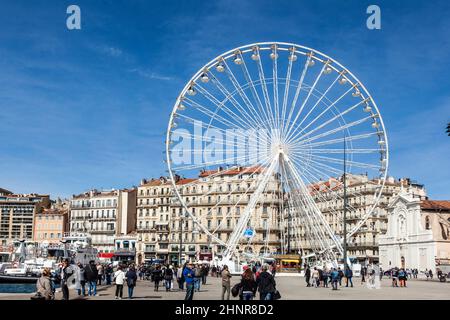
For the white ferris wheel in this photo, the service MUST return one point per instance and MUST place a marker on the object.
(277, 112)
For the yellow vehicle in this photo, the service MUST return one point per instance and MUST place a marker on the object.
(288, 263)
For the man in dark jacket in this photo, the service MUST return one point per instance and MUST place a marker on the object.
(108, 274)
(348, 276)
(131, 276)
(307, 276)
(66, 272)
(91, 276)
(266, 284)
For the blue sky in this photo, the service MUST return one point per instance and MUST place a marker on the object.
(89, 108)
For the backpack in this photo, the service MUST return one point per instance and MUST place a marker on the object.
(198, 272)
(236, 289)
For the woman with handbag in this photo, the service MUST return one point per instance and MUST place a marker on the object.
(119, 277)
(248, 285)
(44, 287)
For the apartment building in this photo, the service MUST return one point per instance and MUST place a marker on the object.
(17, 215)
(217, 199)
(104, 215)
(328, 195)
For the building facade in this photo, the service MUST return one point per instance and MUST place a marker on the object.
(104, 215)
(216, 199)
(153, 218)
(328, 195)
(17, 215)
(418, 234)
(50, 225)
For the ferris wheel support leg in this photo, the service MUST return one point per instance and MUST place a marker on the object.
(238, 231)
(328, 251)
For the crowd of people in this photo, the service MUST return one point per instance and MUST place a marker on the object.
(192, 276)
(323, 277)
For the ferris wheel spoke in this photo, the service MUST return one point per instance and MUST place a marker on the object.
(311, 90)
(315, 240)
(318, 237)
(254, 91)
(243, 220)
(316, 180)
(338, 129)
(317, 102)
(338, 116)
(357, 164)
(238, 132)
(316, 211)
(348, 151)
(297, 91)
(305, 162)
(316, 232)
(214, 163)
(341, 140)
(287, 84)
(221, 105)
(239, 201)
(203, 139)
(275, 86)
(265, 91)
(214, 116)
(322, 113)
(219, 173)
(254, 115)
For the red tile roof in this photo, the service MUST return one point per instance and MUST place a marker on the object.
(231, 172)
(435, 204)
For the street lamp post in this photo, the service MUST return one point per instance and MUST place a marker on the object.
(345, 205)
(181, 239)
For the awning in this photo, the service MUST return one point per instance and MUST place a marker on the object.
(106, 255)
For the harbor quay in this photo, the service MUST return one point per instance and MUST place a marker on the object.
(291, 287)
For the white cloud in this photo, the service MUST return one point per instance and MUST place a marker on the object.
(151, 75)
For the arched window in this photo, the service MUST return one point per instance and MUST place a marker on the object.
(427, 222)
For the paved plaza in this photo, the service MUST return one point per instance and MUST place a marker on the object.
(290, 287)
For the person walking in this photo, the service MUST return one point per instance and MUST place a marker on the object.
(341, 275)
(325, 275)
(402, 277)
(315, 277)
(108, 274)
(131, 277)
(157, 277)
(266, 284)
(394, 276)
(248, 285)
(363, 275)
(168, 277)
(44, 286)
(198, 277)
(189, 276)
(334, 278)
(205, 271)
(348, 277)
(180, 277)
(226, 283)
(119, 279)
(274, 269)
(66, 272)
(100, 273)
(307, 276)
(431, 274)
(91, 276)
(82, 280)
